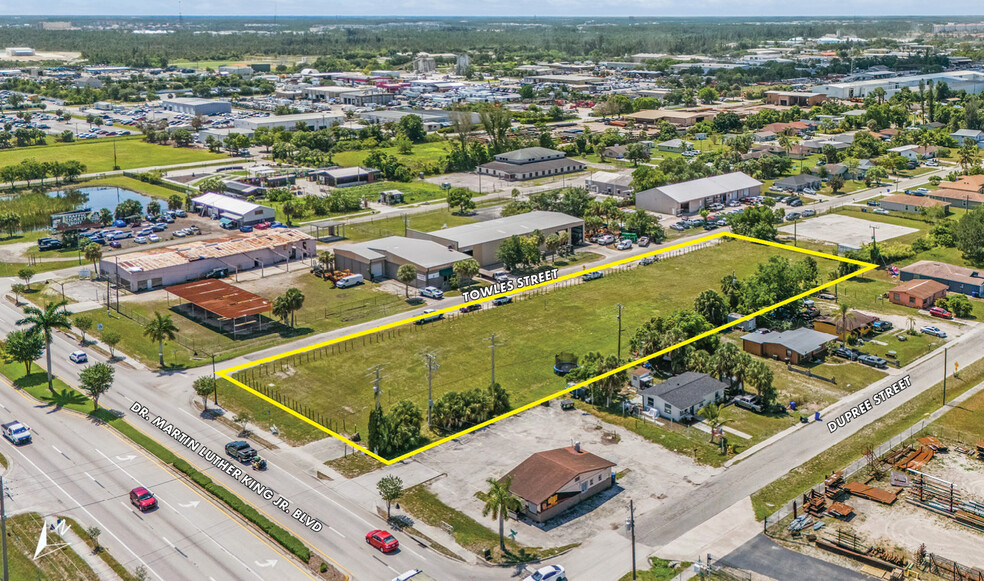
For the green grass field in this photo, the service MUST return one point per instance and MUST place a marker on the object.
(423, 153)
(529, 334)
(394, 226)
(97, 154)
(135, 185)
(413, 192)
(23, 531)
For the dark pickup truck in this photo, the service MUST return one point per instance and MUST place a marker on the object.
(241, 451)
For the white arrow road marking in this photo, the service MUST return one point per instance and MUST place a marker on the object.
(267, 563)
(126, 458)
(192, 504)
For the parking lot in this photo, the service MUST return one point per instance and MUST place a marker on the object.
(846, 230)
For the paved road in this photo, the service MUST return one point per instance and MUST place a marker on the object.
(763, 556)
(82, 470)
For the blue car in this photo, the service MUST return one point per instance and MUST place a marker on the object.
(245, 228)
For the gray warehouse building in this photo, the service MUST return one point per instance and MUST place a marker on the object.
(196, 106)
(382, 258)
(313, 121)
(692, 196)
(481, 240)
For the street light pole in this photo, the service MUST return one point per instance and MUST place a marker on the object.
(215, 392)
(630, 525)
(944, 375)
(619, 317)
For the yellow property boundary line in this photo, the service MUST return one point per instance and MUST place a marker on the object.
(227, 373)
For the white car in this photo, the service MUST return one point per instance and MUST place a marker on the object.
(606, 240)
(154, 238)
(882, 211)
(624, 244)
(78, 357)
(933, 331)
(432, 292)
(548, 573)
(140, 240)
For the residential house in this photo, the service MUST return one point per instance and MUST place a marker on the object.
(975, 136)
(610, 183)
(674, 145)
(915, 152)
(797, 346)
(974, 183)
(692, 196)
(837, 169)
(957, 198)
(852, 324)
(799, 182)
(958, 279)
(764, 136)
(550, 482)
(863, 166)
(912, 204)
(681, 396)
(791, 128)
(917, 293)
(615, 151)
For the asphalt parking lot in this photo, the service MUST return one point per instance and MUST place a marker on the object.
(763, 556)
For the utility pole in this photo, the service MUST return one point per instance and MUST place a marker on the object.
(630, 525)
(431, 366)
(215, 392)
(492, 339)
(3, 529)
(375, 384)
(619, 317)
(944, 375)
(107, 297)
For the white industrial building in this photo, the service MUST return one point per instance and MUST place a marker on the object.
(970, 81)
(19, 51)
(196, 106)
(313, 122)
(233, 212)
(159, 267)
(692, 196)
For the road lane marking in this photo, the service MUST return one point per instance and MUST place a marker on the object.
(337, 532)
(415, 553)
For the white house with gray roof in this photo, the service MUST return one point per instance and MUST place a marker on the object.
(692, 196)
(681, 396)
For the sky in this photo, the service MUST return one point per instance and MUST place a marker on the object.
(424, 8)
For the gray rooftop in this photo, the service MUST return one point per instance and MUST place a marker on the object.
(710, 186)
(528, 154)
(797, 180)
(801, 340)
(685, 390)
(423, 253)
(469, 235)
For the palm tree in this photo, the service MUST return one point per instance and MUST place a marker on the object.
(295, 300)
(498, 502)
(159, 329)
(327, 260)
(93, 253)
(281, 308)
(712, 413)
(45, 321)
(843, 311)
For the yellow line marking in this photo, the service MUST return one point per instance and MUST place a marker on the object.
(227, 373)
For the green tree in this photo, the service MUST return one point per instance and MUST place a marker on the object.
(835, 183)
(243, 419)
(128, 208)
(390, 489)
(154, 208)
(712, 414)
(93, 253)
(161, 328)
(460, 198)
(636, 152)
(407, 274)
(174, 202)
(295, 300)
(23, 347)
(44, 322)
(204, 387)
(403, 144)
(26, 274)
(712, 307)
(466, 269)
(413, 127)
(111, 339)
(96, 380)
(969, 233)
(759, 377)
(83, 323)
(960, 305)
(498, 502)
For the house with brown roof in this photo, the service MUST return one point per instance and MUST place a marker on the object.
(957, 198)
(958, 279)
(917, 293)
(967, 184)
(550, 482)
(853, 324)
(912, 204)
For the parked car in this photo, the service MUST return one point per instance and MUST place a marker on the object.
(643, 242)
(180, 213)
(261, 225)
(796, 202)
(143, 499)
(807, 213)
(502, 300)
(827, 296)
(678, 226)
(872, 202)
(936, 331)
(470, 308)
(882, 326)
(240, 450)
(882, 211)
(159, 227)
(115, 244)
(431, 318)
(940, 312)
(647, 261)
(591, 276)
(78, 357)
(245, 228)
(432, 292)
(749, 402)
(383, 541)
(140, 240)
(625, 244)
(500, 276)
(793, 216)
(873, 361)
(548, 573)
(153, 238)
(848, 353)
(606, 240)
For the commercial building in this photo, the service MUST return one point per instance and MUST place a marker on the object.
(357, 96)
(610, 183)
(681, 396)
(341, 177)
(970, 81)
(692, 196)
(797, 346)
(157, 267)
(799, 182)
(481, 240)
(312, 121)
(548, 483)
(232, 212)
(196, 106)
(958, 279)
(911, 204)
(680, 118)
(794, 98)
(530, 163)
(19, 51)
(918, 294)
(382, 258)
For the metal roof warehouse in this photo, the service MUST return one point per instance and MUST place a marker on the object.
(226, 302)
(157, 267)
(235, 211)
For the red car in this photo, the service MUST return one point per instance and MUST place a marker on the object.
(383, 541)
(143, 499)
(940, 312)
(261, 225)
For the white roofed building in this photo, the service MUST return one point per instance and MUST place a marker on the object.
(234, 210)
(692, 196)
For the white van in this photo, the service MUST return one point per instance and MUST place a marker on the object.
(350, 280)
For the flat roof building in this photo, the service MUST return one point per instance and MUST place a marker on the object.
(157, 267)
(692, 196)
(196, 106)
(481, 240)
(970, 81)
(794, 98)
(312, 121)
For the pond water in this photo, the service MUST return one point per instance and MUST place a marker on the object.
(97, 198)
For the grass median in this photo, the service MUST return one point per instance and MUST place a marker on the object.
(23, 531)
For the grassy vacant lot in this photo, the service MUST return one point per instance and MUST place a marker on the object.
(965, 419)
(771, 497)
(354, 464)
(97, 154)
(396, 225)
(423, 153)
(413, 192)
(325, 308)
(528, 334)
(22, 533)
(136, 186)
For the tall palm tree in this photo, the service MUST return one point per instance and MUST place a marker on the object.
(295, 300)
(281, 308)
(498, 502)
(45, 321)
(844, 308)
(93, 253)
(327, 260)
(159, 329)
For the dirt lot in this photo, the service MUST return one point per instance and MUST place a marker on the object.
(494, 451)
